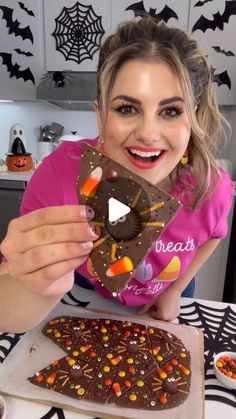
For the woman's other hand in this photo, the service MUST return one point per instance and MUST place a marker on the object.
(164, 307)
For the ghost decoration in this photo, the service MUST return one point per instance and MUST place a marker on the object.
(16, 131)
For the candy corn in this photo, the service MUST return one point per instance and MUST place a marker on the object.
(116, 388)
(89, 187)
(184, 369)
(121, 266)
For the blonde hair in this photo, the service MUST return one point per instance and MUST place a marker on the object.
(148, 39)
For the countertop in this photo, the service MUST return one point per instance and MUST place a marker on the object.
(217, 321)
(21, 176)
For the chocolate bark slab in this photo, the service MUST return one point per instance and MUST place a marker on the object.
(129, 370)
(124, 243)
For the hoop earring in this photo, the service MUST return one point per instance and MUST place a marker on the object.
(184, 158)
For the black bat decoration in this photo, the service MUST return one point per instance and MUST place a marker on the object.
(13, 26)
(222, 51)
(26, 53)
(139, 10)
(218, 20)
(15, 70)
(28, 11)
(201, 3)
(221, 78)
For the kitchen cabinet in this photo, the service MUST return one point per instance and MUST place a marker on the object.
(73, 33)
(212, 24)
(21, 49)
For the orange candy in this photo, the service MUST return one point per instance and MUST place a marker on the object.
(89, 187)
(116, 388)
(120, 267)
(163, 399)
(51, 378)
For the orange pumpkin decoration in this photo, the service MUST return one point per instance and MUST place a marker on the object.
(19, 162)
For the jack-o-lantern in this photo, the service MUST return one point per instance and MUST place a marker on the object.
(18, 160)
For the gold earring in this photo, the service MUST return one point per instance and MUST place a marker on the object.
(184, 158)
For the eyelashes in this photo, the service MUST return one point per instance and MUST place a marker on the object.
(171, 111)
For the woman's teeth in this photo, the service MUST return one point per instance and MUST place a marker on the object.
(144, 155)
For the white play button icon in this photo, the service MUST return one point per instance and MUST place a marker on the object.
(116, 210)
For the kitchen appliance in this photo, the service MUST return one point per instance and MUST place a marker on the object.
(78, 92)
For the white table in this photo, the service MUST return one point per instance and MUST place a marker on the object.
(208, 315)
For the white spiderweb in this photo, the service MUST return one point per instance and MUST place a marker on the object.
(78, 32)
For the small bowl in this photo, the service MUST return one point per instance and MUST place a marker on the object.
(224, 379)
(3, 408)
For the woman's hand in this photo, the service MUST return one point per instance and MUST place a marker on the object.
(44, 247)
(164, 307)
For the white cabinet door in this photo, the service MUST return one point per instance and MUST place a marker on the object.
(74, 31)
(21, 48)
(213, 25)
(174, 13)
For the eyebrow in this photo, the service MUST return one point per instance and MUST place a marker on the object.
(138, 102)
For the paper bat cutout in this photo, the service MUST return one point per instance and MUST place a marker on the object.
(15, 70)
(13, 26)
(201, 3)
(221, 78)
(139, 10)
(21, 52)
(28, 11)
(223, 51)
(218, 20)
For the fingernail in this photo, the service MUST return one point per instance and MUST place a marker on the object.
(93, 231)
(87, 245)
(89, 213)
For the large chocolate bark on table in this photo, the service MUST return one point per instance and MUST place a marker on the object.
(122, 244)
(135, 366)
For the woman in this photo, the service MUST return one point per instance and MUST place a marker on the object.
(155, 111)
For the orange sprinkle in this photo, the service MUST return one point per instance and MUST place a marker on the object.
(39, 378)
(163, 400)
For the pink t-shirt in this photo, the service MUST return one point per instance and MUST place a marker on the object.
(54, 183)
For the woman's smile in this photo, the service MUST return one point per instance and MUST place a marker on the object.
(146, 127)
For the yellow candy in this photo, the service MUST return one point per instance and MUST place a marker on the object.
(121, 374)
(82, 326)
(106, 368)
(130, 361)
(105, 338)
(159, 358)
(80, 391)
(75, 353)
(49, 330)
(103, 330)
(71, 362)
(109, 356)
(142, 338)
(182, 354)
(62, 319)
(57, 335)
(140, 383)
(107, 321)
(132, 397)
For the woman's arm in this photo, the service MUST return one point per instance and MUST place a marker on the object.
(167, 305)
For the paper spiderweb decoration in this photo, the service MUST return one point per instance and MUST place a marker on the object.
(78, 32)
